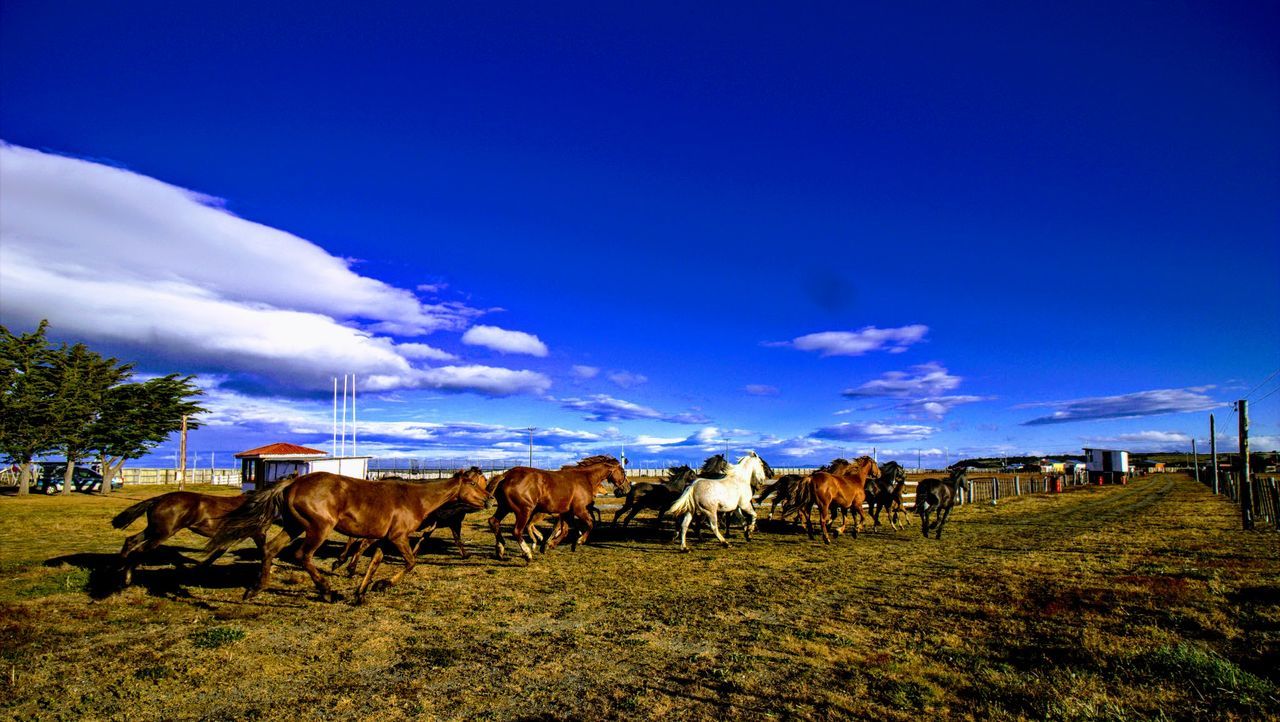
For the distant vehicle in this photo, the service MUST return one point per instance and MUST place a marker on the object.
(50, 476)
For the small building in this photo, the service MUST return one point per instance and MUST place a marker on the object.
(268, 464)
(1107, 465)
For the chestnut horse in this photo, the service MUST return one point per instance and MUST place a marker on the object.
(450, 517)
(842, 485)
(566, 494)
(316, 504)
(781, 491)
(168, 514)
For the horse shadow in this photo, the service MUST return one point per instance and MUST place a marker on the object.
(165, 571)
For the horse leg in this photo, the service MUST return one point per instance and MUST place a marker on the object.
(685, 519)
(361, 546)
(401, 543)
(585, 518)
(522, 523)
(269, 552)
(943, 515)
(859, 520)
(315, 537)
(345, 554)
(368, 574)
(130, 546)
(750, 526)
(456, 528)
(626, 506)
(824, 516)
(713, 520)
(495, 525)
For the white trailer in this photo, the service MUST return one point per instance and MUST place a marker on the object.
(1107, 465)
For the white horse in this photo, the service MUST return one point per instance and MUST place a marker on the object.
(708, 497)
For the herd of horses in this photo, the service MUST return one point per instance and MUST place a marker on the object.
(384, 513)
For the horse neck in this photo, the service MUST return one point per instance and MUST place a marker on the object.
(592, 476)
(433, 496)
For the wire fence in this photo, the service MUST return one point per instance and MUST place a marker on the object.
(1259, 502)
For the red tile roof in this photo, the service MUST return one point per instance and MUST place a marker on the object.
(281, 449)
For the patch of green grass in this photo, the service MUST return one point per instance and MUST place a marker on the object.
(1213, 676)
(214, 637)
(61, 582)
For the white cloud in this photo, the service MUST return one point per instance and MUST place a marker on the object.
(504, 341)
(760, 390)
(874, 431)
(424, 352)
(585, 372)
(929, 379)
(602, 407)
(626, 379)
(1127, 406)
(936, 407)
(108, 255)
(857, 343)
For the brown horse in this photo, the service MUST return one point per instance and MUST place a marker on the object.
(316, 504)
(655, 495)
(450, 517)
(888, 494)
(781, 491)
(566, 494)
(168, 514)
(842, 486)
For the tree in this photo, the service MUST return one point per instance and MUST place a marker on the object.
(137, 417)
(28, 380)
(84, 380)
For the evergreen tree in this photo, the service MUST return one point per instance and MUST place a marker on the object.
(28, 382)
(84, 380)
(137, 417)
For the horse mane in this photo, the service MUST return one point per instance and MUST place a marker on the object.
(835, 465)
(592, 461)
(768, 470)
(715, 467)
(680, 476)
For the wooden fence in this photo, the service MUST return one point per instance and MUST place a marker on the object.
(225, 477)
(1263, 497)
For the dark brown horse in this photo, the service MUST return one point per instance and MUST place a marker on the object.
(449, 517)
(937, 496)
(319, 503)
(781, 491)
(168, 514)
(565, 494)
(888, 494)
(655, 495)
(842, 486)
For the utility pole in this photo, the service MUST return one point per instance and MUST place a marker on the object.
(530, 430)
(1195, 460)
(1246, 488)
(182, 452)
(919, 466)
(1213, 451)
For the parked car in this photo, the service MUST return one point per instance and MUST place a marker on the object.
(52, 473)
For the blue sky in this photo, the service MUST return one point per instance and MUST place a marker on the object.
(996, 228)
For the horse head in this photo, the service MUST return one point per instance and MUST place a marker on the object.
(756, 468)
(869, 467)
(679, 477)
(618, 476)
(474, 488)
(714, 467)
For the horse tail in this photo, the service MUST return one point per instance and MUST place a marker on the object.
(802, 497)
(127, 517)
(684, 504)
(252, 518)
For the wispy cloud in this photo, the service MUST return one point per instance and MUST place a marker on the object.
(874, 431)
(760, 390)
(1127, 406)
(602, 407)
(112, 256)
(504, 341)
(627, 379)
(585, 372)
(857, 343)
(928, 379)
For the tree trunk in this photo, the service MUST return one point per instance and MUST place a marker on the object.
(24, 478)
(109, 472)
(68, 476)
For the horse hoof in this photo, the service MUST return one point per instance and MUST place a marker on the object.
(250, 594)
(330, 596)
(381, 585)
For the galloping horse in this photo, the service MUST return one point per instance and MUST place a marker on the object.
(843, 486)
(168, 514)
(888, 494)
(659, 496)
(318, 503)
(781, 491)
(566, 493)
(708, 497)
(938, 496)
(450, 517)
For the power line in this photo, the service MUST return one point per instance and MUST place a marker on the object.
(1268, 378)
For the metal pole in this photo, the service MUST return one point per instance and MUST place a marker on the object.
(1195, 460)
(530, 446)
(1213, 450)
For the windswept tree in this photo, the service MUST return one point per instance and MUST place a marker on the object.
(28, 384)
(137, 417)
(84, 381)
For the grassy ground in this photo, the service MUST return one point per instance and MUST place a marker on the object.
(1134, 602)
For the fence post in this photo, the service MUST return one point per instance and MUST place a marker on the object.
(1017, 486)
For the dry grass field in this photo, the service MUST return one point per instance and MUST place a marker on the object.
(1134, 602)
